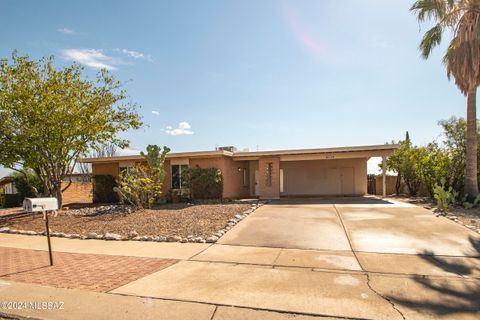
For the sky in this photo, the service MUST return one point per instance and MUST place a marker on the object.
(263, 75)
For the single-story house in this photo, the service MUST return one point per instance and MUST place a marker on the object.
(7, 184)
(267, 174)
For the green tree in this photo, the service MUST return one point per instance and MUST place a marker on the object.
(455, 144)
(461, 18)
(50, 117)
(404, 160)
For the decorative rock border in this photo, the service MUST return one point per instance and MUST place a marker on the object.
(451, 216)
(134, 236)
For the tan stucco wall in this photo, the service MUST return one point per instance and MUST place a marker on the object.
(110, 168)
(272, 191)
(322, 177)
(232, 177)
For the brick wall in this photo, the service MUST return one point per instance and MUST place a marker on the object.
(78, 192)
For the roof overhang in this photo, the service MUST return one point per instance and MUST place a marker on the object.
(284, 155)
(196, 154)
(323, 153)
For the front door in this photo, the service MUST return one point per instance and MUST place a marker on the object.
(255, 184)
(347, 180)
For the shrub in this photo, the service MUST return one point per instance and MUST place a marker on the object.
(205, 183)
(469, 205)
(141, 186)
(103, 186)
(10, 200)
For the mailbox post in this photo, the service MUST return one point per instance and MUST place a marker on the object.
(45, 205)
(47, 229)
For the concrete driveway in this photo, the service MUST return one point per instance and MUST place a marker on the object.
(360, 258)
(361, 224)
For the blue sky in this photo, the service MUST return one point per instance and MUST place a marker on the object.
(254, 74)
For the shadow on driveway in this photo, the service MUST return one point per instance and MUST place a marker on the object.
(445, 296)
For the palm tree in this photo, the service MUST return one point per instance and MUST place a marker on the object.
(462, 60)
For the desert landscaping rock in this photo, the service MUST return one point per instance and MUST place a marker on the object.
(212, 239)
(174, 239)
(112, 236)
(132, 234)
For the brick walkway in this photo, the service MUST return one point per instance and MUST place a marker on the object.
(93, 272)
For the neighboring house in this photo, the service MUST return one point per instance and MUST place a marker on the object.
(267, 174)
(8, 185)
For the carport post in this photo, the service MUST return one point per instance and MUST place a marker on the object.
(384, 178)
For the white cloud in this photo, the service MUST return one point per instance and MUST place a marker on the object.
(182, 129)
(92, 58)
(66, 31)
(135, 54)
(155, 112)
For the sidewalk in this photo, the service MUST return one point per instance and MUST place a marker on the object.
(80, 305)
(165, 250)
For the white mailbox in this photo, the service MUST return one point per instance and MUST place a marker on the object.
(40, 204)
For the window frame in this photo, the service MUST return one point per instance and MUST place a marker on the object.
(181, 182)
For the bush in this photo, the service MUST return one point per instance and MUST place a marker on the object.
(103, 192)
(10, 200)
(135, 187)
(205, 183)
(469, 205)
(141, 186)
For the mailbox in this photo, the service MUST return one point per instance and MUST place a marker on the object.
(40, 204)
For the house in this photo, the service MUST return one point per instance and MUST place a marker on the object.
(7, 184)
(267, 174)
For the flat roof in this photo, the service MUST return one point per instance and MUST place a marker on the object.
(217, 153)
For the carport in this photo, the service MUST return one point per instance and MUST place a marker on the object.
(312, 172)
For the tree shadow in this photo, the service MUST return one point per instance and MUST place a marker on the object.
(447, 295)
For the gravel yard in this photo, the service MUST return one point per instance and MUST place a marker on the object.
(183, 220)
(467, 217)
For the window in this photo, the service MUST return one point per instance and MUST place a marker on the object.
(177, 181)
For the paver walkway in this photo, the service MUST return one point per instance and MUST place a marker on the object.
(100, 273)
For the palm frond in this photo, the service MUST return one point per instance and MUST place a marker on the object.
(431, 39)
(448, 58)
(431, 9)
